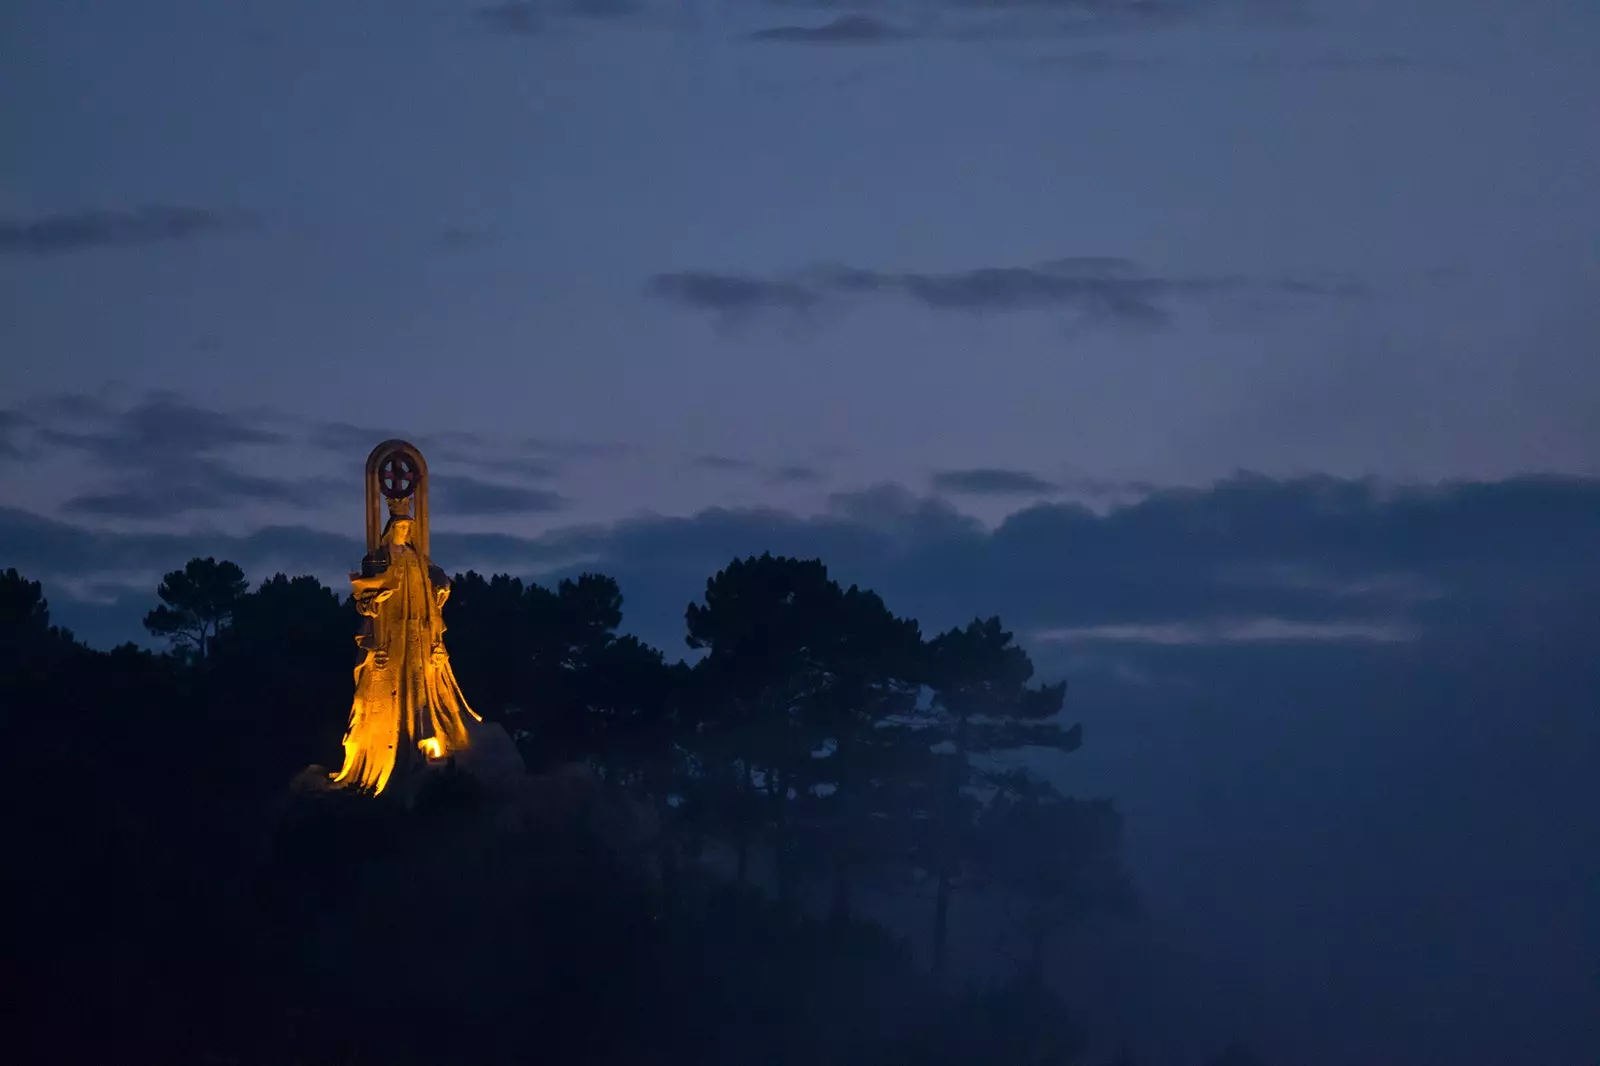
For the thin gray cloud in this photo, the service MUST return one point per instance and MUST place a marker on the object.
(45, 546)
(1097, 290)
(348, 437)
(533, 18)
(847, 22)
(1254, 630)
(162, 447)
(158, 427)
(205, 486)
(466, 495)
(14, 428)
(788, 474)
(84, 230)
(603, 9)
(1033, 20)
(795, 474)
(163, 456)
(455, 447)
(570, 448)
(521, 18)
(719, 462)
(846, 29)
(1100, 60)
(165, 432)
(457, 237)
(82, 405)
(170, 501)
(516, 466)
(991, 481)
(733, 295)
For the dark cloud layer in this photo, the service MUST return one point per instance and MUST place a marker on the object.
(1316, 550)
(467, 495)
(13, 430)
(795, 474)
(846, 29)
(872, 21)
(163, 456)
(1097, 290)
(44, 546)
(161, 425)
(1251, 552)
(205, 486)
(731, 294)
(156, 224)
(786, 474)
(854, 22)
(990, 481)
(568, 448)
(719, 462)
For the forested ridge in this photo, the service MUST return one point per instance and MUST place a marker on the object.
(688, 893)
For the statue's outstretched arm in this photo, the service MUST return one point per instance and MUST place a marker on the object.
(367, 600)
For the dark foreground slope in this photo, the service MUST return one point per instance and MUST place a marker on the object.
(357, 931)
(178, 902)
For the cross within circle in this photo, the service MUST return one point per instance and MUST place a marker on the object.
(397, 476)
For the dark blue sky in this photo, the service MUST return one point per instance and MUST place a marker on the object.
(1118, 240)
(984, 303)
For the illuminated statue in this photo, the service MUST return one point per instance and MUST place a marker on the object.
(408, 710)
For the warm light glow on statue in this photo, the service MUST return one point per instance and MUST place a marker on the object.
(408, 709)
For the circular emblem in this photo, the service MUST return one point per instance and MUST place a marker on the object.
(398, 475)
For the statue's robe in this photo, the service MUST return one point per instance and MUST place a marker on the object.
(410, 708)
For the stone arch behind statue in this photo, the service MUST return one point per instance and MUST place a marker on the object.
(374, 497)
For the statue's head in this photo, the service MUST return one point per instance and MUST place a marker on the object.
(398, 531)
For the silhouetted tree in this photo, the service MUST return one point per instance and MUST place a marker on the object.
(850, 810)
(286, 619)
(1053, 860)
(25, 629)
(24, 612)
(290, 645)
(761, 624)
(805, 672)
(490, 639)
(197, 602)
(549, 662)
(982, 703)
(32, 652)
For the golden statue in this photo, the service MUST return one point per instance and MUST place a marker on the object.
(408, 710)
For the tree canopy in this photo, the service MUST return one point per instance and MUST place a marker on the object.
(196, 602)
(818, 748)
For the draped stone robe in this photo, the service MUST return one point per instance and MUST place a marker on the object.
(408, 708)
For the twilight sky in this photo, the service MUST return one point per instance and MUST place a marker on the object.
(1080, 239)
(902, 283)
